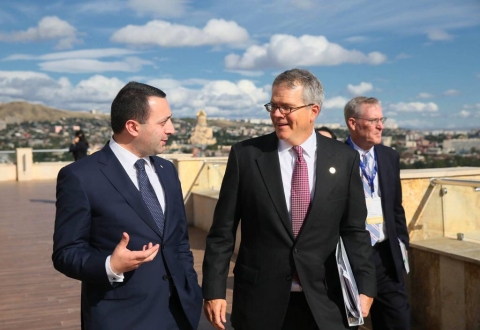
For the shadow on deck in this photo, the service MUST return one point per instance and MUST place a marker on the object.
(33, 295)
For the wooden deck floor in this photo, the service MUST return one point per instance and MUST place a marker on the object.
(33, 295)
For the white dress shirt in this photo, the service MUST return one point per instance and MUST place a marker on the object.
(128, 159)
(377, 193)
(287, 157)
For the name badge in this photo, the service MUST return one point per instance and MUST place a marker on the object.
(374, 209)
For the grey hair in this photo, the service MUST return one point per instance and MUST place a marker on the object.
(312, 87)
(353, 107)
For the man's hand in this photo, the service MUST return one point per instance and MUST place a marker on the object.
(123, 260)
(365, 304)
(215, 310)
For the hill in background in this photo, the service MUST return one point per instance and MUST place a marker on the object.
(18, 112)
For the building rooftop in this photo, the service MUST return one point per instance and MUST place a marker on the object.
(33, 295)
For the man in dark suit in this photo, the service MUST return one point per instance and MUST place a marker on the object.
(380, 171)
(121, 228)
(296, 192)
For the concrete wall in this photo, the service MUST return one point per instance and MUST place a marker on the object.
(8, 172)
(444, 284)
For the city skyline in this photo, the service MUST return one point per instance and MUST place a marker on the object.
(420, 58)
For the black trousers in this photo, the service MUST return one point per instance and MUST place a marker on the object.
(299, 315)
(390, 309)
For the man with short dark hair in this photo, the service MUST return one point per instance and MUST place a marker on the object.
(380, 171)
(296, 192)
(120, 225)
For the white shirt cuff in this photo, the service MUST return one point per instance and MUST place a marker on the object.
(112, 277)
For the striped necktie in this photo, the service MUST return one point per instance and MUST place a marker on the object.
(374, 229)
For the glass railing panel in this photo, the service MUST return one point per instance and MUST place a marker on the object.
(461, 212)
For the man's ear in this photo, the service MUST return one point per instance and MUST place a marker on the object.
(132, 127)
(315, 111)
(351, 123)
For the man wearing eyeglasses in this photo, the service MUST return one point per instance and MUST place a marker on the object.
(296, 192)
(380, 172)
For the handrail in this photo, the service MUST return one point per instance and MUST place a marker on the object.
(35, 150)
(198, 175)
(456, 182)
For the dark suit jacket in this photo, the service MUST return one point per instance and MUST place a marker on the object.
(252, 191)
(96, 203)
(393, 212)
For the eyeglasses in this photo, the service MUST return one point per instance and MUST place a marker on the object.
(374, 121)
(271, 107)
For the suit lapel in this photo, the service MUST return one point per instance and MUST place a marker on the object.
(167, 183)
(381, 168)
(120, 180)
(269, 166)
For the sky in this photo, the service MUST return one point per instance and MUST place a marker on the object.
(420, 58)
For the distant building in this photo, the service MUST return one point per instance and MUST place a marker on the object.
(460, 146)
(387, 141)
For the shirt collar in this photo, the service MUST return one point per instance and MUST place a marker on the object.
(127, 158)
(309, 146)
(360, 150)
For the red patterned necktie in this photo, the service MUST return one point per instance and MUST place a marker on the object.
(300, 194)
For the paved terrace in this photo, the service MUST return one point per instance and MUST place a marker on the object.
(33, 295)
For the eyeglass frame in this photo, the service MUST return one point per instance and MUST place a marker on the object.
(374, 121)
(283, 111)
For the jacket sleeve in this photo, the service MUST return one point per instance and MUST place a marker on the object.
(355, 236)
(399, 212)
(72, 253)
(221, 238)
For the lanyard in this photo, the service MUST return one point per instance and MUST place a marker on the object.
(370, 178)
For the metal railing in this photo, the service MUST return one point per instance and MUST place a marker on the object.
(215, 164)
(456, 182)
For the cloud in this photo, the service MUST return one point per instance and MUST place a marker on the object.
(414, 107)
(49, 28)
(360, 89)
(130, 64)
(289, 51)
(451, 92)
(337, 102)
(159, 8)
(76, 54)
(439, 35)
(96, 92)
(303, 4)
(403, 56)
(464, 114)
(219, 98)
(165, 34)
(357, 39)
(424, 96)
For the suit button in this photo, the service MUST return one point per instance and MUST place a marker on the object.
(164, 277)
(164, 246)
(295, 250)
(289, 278)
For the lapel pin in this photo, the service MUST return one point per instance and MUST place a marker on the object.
(332, 170)
(161, 166)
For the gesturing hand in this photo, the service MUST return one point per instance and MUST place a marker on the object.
(124, 260)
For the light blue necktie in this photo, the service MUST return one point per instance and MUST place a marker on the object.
(149, 196)
(374, 229)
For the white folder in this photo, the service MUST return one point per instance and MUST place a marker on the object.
(350, 293)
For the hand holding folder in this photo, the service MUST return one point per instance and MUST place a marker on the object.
(351, 297)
